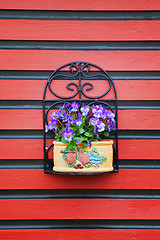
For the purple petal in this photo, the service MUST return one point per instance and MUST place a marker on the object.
(89, 143)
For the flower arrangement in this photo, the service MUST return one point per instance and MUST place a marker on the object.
(79, 126)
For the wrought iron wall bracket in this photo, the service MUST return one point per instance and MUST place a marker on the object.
(81, 77)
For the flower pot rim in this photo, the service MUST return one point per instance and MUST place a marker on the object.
(97, 143)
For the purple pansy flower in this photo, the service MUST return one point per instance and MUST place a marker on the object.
(94, 121)
(78, 121)
(101, 107)
(97, 110)
(89, 144)
(66, 105)
(100, 126)
(70, 119)
(70, 109)
(60, 114)
(51, 125)
(104, 113)
(96, 131)
(46, 128)
(54, 122)
(79, 115)
(85, 110)
(110, 117)
(53, 116)
(110, 114)
(75, 106)
(67, 127)
(68, 134)
(62, 110)
(112, 126)
(65, 118)
(78, 142)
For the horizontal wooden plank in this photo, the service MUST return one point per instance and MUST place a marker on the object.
(139, 119)
(37, 179)
(79, 15)
(76, 5)
(80, 234)
(80, 45)
(139, 149)
(79, 209)
(21, 119)
(110, 60)
(137, 89)
(33, 89)
(116, 75)
(33, 119)
(80, 30)
(33, 149)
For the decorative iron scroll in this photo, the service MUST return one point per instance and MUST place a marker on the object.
(79, 78)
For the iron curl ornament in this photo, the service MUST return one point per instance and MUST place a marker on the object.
(80, 82)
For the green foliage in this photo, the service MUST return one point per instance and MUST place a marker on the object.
(64, 156)
(81, 130)
(88, 165)
(106, 134)
(103, 159)
(84, 143)
(71, 165)
(64, 141)
(87, 134)
(80, 139)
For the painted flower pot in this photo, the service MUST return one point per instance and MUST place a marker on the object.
(97, 159)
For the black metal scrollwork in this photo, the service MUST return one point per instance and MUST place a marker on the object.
(81, 76)
(82, 71)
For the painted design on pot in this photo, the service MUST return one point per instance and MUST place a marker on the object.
(84, 159)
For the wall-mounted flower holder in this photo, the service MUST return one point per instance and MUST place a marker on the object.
(80, 122)
(97, 158)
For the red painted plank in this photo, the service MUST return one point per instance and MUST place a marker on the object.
(37, 179)
(21, 119)
(33, 89)
(110, 60)
(23, 89)
(80, 234)
(139, 119)
(33, 119)
(79, 209)
(79, 30)
(21, 149)
(101, 5)
(138, 89)
(33, 149)
(139, 149)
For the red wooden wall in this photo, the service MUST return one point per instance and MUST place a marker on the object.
(123, 38)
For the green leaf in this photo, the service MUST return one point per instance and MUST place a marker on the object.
(64, 156)
(106, 134)
(84, 143)
(81, 130)
(88, 165)
(87, 134)
(66, 149)
(79, 139)
(73, 147)
(64, 141)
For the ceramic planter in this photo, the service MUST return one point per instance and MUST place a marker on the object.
(98, 158)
